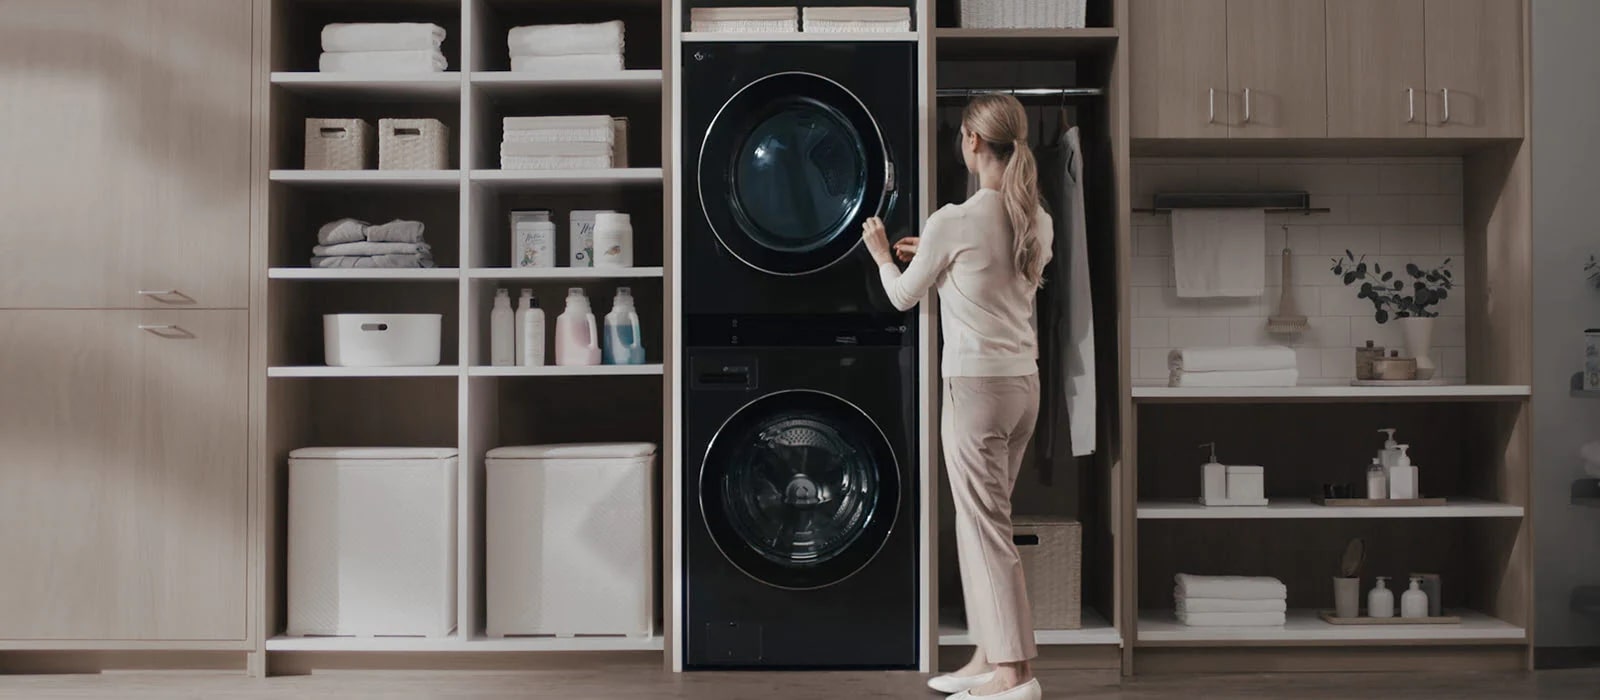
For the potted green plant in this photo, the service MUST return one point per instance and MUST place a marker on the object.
(1408, 297)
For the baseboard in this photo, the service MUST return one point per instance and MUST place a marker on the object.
(1545, 658)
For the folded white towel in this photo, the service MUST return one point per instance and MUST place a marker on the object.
(857, 19)
(745, 27)
(1257, 378)
(599, 122)
(1224, 605)
(584, 135)
(1219, 252)
(566, 39)
(342, 231)
(531, 150)
(373, 261)
(1231, 359)
(396, 231)
(744, 19)
(1231, 587)
(422, 61)
(370, 248)
(581, 64)
(382, 36)
(555, 162)
(1227, 619)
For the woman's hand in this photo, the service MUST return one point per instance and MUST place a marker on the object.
(906, 248)
(877, 240)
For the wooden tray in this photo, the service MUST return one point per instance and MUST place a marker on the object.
(1376, 503)
(1329, 617)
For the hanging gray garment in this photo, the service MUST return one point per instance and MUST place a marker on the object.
(1066, 316)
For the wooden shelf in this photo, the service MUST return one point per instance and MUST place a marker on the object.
(556, 371)
(1002, 44)
(567, 178)
(1096, 631)
(1304, 509)
(770, 37)
(1160, 628)
(506, 82)
(653, 643)
(1330, 392)
(456, 644)
(321, 372)
(378, 85)
(563, 273)
(425, 274)
(426, 179)
(412, 644)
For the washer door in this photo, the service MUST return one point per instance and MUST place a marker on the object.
(790, 168)
(800, 489)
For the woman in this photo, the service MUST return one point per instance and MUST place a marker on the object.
(986, 256)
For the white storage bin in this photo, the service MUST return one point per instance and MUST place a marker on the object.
(1024, 14)
(382, 340)
(372, 541)
(413, 144)
(338, 144)
(571, 540)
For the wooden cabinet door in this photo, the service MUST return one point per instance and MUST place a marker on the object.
(123, 483)
(1277, 68)
(125, 127)
(1179, 68)
(1475, 68)
(1376, 82)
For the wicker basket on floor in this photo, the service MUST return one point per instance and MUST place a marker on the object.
(413, 144)
(1024, 14)
(338, 144)
(1052, 562)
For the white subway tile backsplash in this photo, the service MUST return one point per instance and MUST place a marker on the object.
(1411, 178)
(1150, 363)
(1452, 240)
(1451, 361)
(1435, 209)
(1249, 331)
(1152, 240)
(1309, 361)
(1303, 239)
(1385, 335)
(1379, 209)
(1149, 333)
(1410, 240)
(1152, 272)
(1342, 301)
(1450, 332)
(1361, 240)
(1197, 332)
(1338, 363)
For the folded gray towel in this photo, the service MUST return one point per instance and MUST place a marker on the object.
(371, 248)
(393, 261)
(397, 231)
(342, 231)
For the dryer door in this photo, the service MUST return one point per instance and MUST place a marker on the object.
(790, 168)
(800, 489)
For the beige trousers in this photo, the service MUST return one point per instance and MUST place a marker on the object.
(986, 427)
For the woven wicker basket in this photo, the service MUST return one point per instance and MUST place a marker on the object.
(619, 142)
(1052, 562)
(1024, 14)
(413, 144)
(338, 144)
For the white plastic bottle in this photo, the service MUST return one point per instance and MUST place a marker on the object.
(623, 345)
(1377, 481)
(1389, 453)
(613, 240)
(577, 337)
(530, 331)
(1415, 602)
(533, 239)
(502, 342)
(1380, 602)
(1403, 475)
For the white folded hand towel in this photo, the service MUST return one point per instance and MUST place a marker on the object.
(555, 162)
(1231, 587)
(569, 148)
(581, 64)
(1231, 359)
(1226, 619)
(1220, 605)
(373, 261)
(857, 19)
(1219, 252)
(581, 121)
(396, 231)
(382, 36)
(566, 39)
(342, 231)
(420, 61)
(1256, 378)
(371, 248)
(744, 19)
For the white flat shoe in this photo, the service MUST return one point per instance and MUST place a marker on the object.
(948, 684)
(1026, 691)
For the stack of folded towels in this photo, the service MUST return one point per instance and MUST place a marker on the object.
(560, 143)
(1266, 366)
(399, 47)
(353, 243)
(567, 48)
(857, 20)
(775, 20)
(1231, 601)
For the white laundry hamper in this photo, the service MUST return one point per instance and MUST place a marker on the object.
(372, 541)
(571, 540)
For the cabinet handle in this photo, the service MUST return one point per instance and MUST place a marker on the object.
(157, 292)
(166, 330)
(154, 327)
(1446, 119)
(1411, 105)
(1211, 106)
(1247, 105)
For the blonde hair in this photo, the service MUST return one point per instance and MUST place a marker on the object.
(1000, 122)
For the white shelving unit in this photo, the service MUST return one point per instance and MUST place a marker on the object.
(319, 372)
(434, 274)
(1096, 631)
(1304, 509)
(1159, 627)
(770, 37)
(567, 178)
(509, 83)
(1152, 393)
(556, 371)
(389, 86)
(457, 644)
(347, 179)
(563, 273)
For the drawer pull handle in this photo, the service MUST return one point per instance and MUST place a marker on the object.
(166, 330)
(1446, 119)
(375, 327)
(1411, 105)
(1247, 105)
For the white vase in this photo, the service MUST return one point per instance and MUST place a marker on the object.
(1419, 342)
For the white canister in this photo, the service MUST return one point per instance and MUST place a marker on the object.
(533, 239)
(1591, 359)
(613, 240)
(583, 236)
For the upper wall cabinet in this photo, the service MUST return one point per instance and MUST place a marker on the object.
(1475, 71)
(133, 120)
(1376, 83)
(1276, 69)
(1180, 68)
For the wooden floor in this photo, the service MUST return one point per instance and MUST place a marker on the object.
(642, 684)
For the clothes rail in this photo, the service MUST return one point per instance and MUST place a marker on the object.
(1024, 92)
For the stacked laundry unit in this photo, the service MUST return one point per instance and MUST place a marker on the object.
(394, 47)
(590, 142)
(565, 49)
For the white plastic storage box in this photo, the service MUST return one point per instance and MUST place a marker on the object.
(382, 340)
(1024, 14)
(571, 540)
(372, 541)
(413, 144)
(338, 144)
(1052, 565)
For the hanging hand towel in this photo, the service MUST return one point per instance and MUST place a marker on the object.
(383, 62)
(342, 231)
(1231, 587)
(1224, 619)
(1219, 252)
(566, 39)
(1256, 378)
(1231, 359)
(581, 64)
(381, 36)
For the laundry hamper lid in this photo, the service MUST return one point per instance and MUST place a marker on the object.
(592, 450)
(374, 453)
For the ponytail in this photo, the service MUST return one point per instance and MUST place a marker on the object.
(1000, 122)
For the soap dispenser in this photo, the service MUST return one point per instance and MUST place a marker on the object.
(1380, 602)
(1403, 475)
(502, 320)
(1415, 602)
(1389, 454)
(1377, 481)
(1213, 479)
(530, 331)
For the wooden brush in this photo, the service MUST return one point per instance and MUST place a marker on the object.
(1288, 320)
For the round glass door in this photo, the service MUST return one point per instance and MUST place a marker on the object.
(791, 167)
(800, 489)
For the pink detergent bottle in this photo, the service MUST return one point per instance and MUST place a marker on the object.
(577, 337)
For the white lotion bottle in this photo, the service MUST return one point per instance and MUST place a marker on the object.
(1213, 479)
(1377, 481)
(1389, 454)
(1415, 602)
(502, 342)
(1380, 602)
(1403, 476)
(530, 331)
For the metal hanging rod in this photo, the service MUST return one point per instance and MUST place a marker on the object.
(1023, 92)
